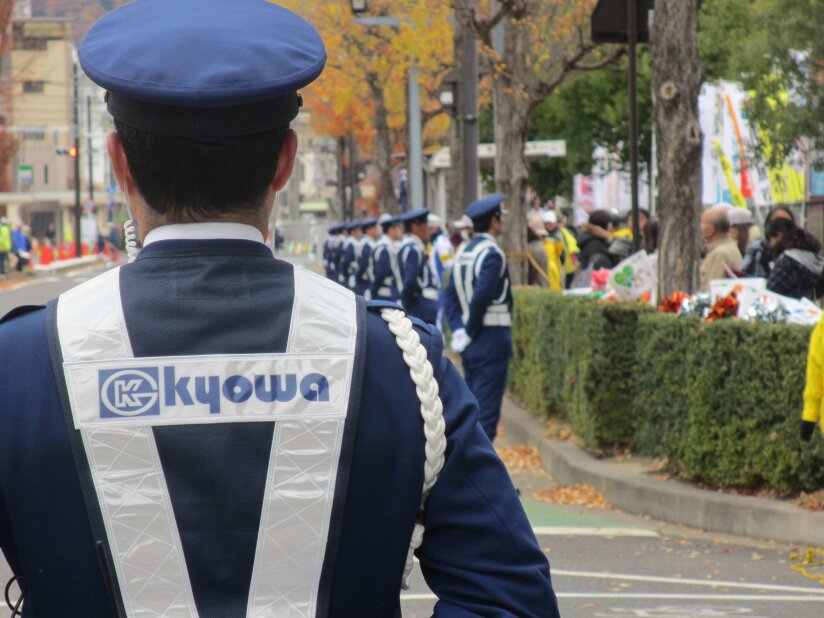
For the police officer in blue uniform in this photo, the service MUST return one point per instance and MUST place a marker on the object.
(363, 278)
(478, 310)
(209, 431)
(329, 246)
(346, 257)
(341, 265)
(385, 275)
(419, 293)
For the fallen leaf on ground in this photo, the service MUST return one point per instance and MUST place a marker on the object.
(520, 458)
(578, 495)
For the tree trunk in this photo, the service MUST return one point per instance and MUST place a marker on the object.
(511, 124)
(383, 152)
(339, 211)
(677, 76)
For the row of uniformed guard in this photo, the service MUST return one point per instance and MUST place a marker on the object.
(396, 259)
(405, 260)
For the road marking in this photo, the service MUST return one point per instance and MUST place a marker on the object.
(654, 596)
(687, 582)
(579, 531)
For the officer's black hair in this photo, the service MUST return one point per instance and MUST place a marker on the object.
(481, 226)
(184, 180)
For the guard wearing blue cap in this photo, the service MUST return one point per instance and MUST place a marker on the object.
(328, 251)
(363, 277)
(385, 274)
(341, 253)
(478, 310)
(419, 285)
(352, 249)
(209, 431)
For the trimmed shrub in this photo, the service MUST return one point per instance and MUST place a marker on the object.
(722, 402)
(574, 358)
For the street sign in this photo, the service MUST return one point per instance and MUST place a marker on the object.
(551, 148)
(25, 174)
(609, 21)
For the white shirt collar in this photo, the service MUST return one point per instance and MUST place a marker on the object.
(204, 231)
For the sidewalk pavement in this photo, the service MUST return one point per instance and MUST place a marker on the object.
(631, 487)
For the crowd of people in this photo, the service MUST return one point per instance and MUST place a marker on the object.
(17, 243)
(783, 253)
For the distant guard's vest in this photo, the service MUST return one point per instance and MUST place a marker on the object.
(391, 285)
(467, 269)
(427, 280)
(116, 400)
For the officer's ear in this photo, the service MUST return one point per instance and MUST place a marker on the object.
(286, 160)
(120, 164)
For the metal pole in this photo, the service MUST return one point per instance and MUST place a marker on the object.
(632, 36)
(89, 144)
(469, 118)
(415, 141)
(77, 206)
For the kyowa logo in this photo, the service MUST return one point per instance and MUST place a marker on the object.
(129, 392)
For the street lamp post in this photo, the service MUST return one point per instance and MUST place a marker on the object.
(415, 121)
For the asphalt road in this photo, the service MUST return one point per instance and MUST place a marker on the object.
(607, 564)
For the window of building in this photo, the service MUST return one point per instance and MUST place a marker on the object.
(34, 86)
(34, 135)
(46, 172)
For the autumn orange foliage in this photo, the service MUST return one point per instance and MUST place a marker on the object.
(365, 61)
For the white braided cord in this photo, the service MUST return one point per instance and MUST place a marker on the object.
(434, 427)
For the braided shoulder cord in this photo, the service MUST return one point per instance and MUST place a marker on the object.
(434, 427)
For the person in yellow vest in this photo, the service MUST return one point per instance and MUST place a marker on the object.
(555, 251)
(558, 230)
(814, 389)
(5, 244)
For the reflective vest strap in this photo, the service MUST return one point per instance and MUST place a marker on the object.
(468, 265)
(145, 544)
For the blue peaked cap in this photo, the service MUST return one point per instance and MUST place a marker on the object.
(485, 207)
(409, 217)
(367, 223)
(203, 69)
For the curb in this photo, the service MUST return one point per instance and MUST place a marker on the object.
(670, 501)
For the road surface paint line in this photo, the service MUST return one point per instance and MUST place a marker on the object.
(580, 531)
(654, 596)
(652, 579)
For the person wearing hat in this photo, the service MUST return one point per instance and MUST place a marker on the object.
(538, 272)
(5, 244)
(440, 259)
(386, 279)
(223, 433)
(462, 234)
(363, 279)
(328, 251)
(478, 311)
(351, 254)
(419, 285)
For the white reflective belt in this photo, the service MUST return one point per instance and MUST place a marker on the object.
(430, 293)
(497, 319)
(129, 479)
(385, 291)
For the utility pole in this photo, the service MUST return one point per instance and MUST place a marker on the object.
(77, 206)
(415, 140)
(469, 118)
(89, 144)
(632, 41)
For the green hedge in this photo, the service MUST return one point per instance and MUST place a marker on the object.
(721, 402)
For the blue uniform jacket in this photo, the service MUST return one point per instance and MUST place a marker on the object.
(383, 274)
(204, 297)
(487, 341)
(362, 282)
(346, 259)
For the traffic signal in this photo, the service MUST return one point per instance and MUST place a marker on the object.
(72, 151)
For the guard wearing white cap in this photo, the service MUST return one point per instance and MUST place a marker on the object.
(209, 431)
(478, 311)
(419, 285)
(440, 258)
(386, 279)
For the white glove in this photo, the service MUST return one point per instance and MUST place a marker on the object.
(460, 341)
(368, 294)
(351, 281)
